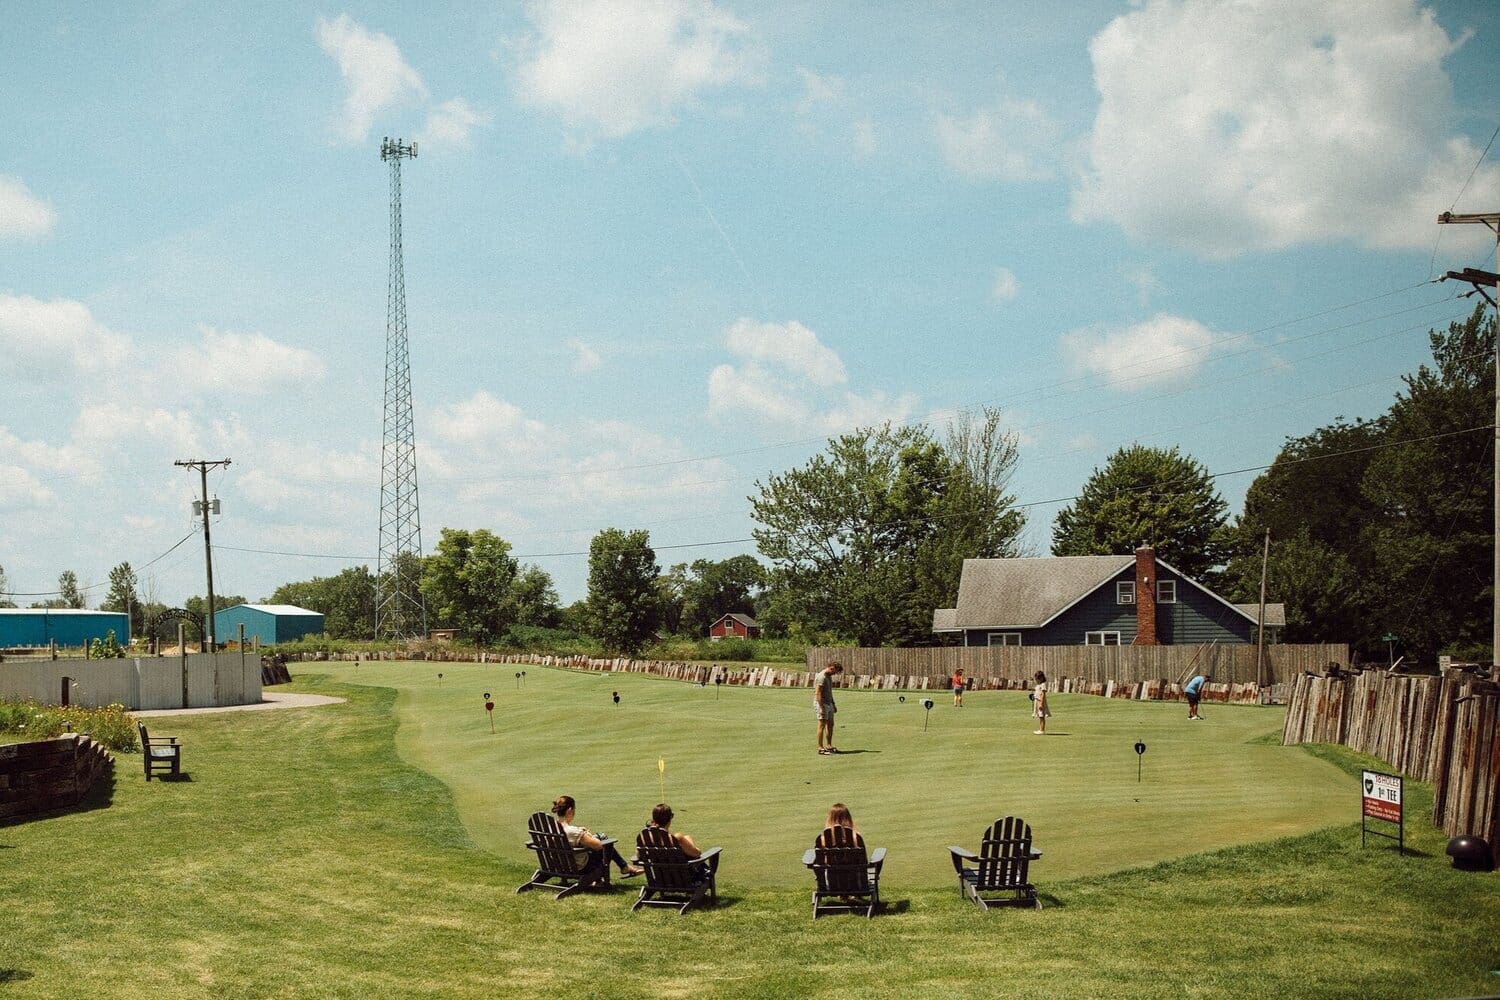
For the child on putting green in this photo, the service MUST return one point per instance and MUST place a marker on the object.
(1040, 709)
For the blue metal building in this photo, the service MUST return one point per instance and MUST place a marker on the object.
(270, 623)
(64, 626)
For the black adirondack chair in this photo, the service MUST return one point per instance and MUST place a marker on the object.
(848, 880)
(557, 859)
(672, 878)
(163, 753)
(1000, 872)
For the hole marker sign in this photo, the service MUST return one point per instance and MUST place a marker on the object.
(1382, 796)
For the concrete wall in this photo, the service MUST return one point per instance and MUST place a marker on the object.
(213, 680)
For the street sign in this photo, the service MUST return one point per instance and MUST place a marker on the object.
(1389, 638)
(1380, 799)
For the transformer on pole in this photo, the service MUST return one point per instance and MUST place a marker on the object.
(400, 610)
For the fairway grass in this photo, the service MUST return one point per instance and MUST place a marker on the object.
(307, 857)
(742, 771)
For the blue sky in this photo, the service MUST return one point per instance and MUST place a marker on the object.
(656, 251)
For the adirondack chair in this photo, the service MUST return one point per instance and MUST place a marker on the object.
(1001, 868)
(557, 859)
(672, 878)
(844, 873)
(163, 753)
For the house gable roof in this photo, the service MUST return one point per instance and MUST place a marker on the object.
(744, 620)
(944, 620)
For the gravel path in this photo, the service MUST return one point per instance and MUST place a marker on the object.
(273, 699)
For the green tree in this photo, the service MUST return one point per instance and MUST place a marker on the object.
(867, 538)
(468, 584)
(718, 587)
(400, 612)
(1153, 496)
(197, 606)
(122, 597)
(346, 601)
(535, 598)
(69, 594)
(624, 606)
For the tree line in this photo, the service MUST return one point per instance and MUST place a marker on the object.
(1378, 527)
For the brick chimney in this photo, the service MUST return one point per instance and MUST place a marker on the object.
(1145, 596)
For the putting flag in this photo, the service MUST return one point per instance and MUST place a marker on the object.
(661, 771)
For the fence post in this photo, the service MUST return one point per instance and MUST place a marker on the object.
(244, 686)
(182, 652)
(65, 682)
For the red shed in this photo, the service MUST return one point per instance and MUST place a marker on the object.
(733, 626)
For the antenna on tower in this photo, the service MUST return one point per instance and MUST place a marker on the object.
(400, 610)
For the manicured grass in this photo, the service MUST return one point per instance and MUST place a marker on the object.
(307, 858)
(742, 770)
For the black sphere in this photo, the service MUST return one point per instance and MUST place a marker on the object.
(1471, 853)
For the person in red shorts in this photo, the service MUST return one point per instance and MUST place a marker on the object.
(958, 688)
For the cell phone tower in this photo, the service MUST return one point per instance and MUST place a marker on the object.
(400, 610)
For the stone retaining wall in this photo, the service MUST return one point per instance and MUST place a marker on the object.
(48, 775)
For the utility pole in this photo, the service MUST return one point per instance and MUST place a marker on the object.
(208, 550)
(1260, 631)
(1492, 220)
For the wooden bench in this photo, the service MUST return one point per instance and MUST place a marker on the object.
(163, 753)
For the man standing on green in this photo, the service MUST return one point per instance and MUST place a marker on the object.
(823, 702)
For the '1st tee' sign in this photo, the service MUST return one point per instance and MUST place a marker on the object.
(1382, 796)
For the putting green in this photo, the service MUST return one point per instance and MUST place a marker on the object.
(742, 773)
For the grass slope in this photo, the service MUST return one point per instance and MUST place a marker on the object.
(742, 771)
(306, 858)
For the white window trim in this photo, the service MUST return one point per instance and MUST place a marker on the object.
(989, 638)
(1124, 591)
(1166, 600)
(1089, 638)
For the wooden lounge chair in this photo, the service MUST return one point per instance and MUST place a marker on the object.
(848, 880)
(1001, 868)
(672, 878)
(558, 859)
(163, 753)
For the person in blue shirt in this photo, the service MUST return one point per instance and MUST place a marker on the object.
(1194, 692)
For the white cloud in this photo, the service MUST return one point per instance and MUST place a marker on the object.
(614, 67)
(784, 376)
(22, 213)
(248, 363)
(865, 139)
(1013, 141)
(1005, 287)
(818, 91)
(50, 341)
(375, 75)
(789, 345)
(585, 358)
(1162, 349)
(451, 122)
(1233, 126)
(825, 108)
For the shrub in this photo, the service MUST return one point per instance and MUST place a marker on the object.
(733, 650)
(107, 648)
(111, 725)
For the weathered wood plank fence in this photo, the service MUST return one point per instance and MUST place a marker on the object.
(1129, 664)
(1445, 730)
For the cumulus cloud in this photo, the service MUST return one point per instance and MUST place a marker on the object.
(585, 358)
(826, 109)
(1005, 286)
(249, 363)
(784, 375)
(614, 67)
(451, 122)
(1012, 141)
(52, 341)
(22, 214)
(375, 75)
(1159, 350)
(1226, 127)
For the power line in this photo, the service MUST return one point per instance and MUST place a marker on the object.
(96, 586)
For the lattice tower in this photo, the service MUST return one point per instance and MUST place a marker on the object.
(400, 610)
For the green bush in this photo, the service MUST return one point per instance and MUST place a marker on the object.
(107, 648)
(733, 650)
(110, 725)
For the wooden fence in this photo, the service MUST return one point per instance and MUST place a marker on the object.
(1445, 730)
(1128, 664)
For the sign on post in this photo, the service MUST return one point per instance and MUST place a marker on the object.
(1380, 799)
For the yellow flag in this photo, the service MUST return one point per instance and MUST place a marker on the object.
(661, 772)
(661, 765)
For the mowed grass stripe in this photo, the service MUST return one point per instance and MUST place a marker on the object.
(742, 771)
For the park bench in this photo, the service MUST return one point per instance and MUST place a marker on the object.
(1001, 868)
(672, 878)
(557, 859)
(161, 753)
(847, 880)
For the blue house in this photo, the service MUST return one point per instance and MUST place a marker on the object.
(270, 623)
(64, 626)
(1094, 601)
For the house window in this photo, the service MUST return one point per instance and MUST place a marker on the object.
(1004, 639)
(1125, 592)
(1101, 638)
(1166, 591)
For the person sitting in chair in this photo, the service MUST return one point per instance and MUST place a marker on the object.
(661, 819)
(595, 854)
